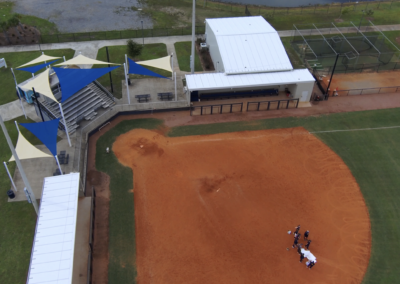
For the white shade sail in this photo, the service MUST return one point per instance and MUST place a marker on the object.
(26, 150)
(160, 63)
(83, 60)
(41, 85)
(41, 58)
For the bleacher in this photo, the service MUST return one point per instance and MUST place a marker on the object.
(81, 106)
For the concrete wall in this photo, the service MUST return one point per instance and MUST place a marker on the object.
(211, 41)
(302, 91)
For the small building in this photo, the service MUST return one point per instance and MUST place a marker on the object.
(249, 59)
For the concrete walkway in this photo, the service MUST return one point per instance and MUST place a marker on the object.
(89, 47)
(13, 110)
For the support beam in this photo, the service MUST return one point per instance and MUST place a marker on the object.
(325, 40)
(305, 41)
(65, 124)
(9, 175)
(345, 39)
(126, 83)
(58, 164)
(366, 39)
(376, 28)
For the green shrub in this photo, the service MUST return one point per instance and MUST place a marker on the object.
(134, 49)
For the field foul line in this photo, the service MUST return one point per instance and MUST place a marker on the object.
(361, 129)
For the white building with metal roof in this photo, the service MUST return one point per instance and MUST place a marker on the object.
(248, 55)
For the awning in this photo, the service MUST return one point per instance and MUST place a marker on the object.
(41, 58)
(80, 59)
(41, 85)
(135, 68)
(46, 132)
(163, 63)
(52, 258)
(26, 150)
(73, 80)
(34, 69)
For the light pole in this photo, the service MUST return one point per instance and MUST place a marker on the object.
(193, 34)
(142, 32)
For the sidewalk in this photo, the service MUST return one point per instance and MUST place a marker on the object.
(91, 46)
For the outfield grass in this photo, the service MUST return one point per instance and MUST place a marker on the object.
(122, 244)
(183, 52)
(15, 59)
(117, 55)
(372, 156)
(18, 219)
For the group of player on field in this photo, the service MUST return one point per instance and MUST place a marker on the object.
(296, 243)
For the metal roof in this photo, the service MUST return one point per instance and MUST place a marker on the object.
(53, 247)
(215, 81)
(249, 45)
(240, 25)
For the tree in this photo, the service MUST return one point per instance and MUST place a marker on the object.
(369, 13)
(345, 11)
(134, 49)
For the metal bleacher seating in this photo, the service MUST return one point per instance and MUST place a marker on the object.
(82, 105)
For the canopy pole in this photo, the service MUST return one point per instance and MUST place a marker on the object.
(126, 82)
(37, 101)
(172, 62)
(176, 96)
(9, 175)
(19, 93)
(193, 33)
(65, 124)
(19, 165)
(16, 125)
(64, 58)
(58, 163)
(33, 75)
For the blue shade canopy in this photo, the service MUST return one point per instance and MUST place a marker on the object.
(135, 68)
(73, 80)
(45, 132)
(34, 69)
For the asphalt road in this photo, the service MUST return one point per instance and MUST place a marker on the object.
(86, 15)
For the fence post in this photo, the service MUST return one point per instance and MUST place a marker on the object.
(315, 8)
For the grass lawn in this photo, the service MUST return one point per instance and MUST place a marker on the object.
(15, 59)
(122, 244)
(43, 25)
(372, 156)
(178, 13)
(18, 219)
(293, 56)
(183, 52)
(117, 55)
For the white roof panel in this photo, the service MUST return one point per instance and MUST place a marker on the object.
(221, 81)
(240, 25)
(53, 247)
(253, 53)
(249, 45)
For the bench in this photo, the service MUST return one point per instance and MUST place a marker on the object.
(142, 98)
(165, 96)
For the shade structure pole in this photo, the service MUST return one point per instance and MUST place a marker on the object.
(65, 124)
(172, 62)
(64, 58)
(58, 164)
(126, 82)
(33, 75)
(193, 35)
(16, 125)
(9, 175)
(19, 165)
(176, 96)
(20, 101)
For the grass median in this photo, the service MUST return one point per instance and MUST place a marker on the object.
(183, 52)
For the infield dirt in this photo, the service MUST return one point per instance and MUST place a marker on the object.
(217, 208)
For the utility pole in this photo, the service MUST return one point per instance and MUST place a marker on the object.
(193, 36)
(333, 71)
(19, 165)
